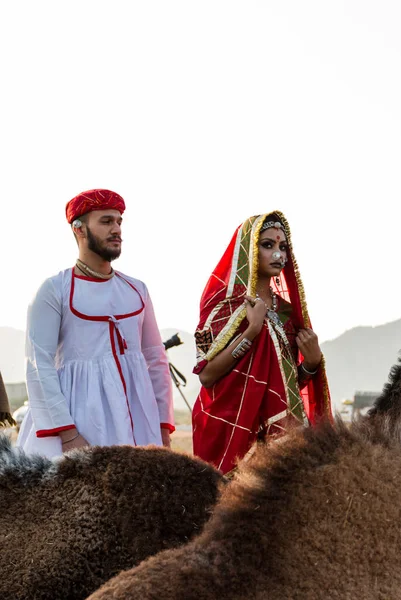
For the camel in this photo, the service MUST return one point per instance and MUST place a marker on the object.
(315, 516)
(70, 524)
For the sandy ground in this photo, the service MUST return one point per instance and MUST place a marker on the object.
(182, 441)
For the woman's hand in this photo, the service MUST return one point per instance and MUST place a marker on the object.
(255, 313)
(224, 361)
(308, 345)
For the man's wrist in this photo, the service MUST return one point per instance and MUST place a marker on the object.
(167, 426)
(67, 435)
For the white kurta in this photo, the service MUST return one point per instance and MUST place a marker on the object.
(95, 359)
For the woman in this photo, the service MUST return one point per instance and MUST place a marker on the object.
(258, 360)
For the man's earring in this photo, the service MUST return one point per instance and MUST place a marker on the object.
(77, 223)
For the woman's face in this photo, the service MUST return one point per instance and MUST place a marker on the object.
(273, 250)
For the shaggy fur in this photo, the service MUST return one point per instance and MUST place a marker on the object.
(69, 525)
(316, 516)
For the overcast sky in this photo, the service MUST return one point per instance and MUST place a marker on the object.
(201, 114)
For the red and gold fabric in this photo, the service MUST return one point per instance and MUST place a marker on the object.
(262, 392)
(90, 200)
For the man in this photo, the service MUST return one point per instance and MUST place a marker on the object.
(97, 370)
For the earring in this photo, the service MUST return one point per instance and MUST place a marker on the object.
(77, 223)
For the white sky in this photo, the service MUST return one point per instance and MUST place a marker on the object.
(201, 114)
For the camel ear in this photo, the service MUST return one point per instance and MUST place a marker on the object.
(390, 398)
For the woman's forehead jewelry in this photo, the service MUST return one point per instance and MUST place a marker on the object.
(272, 225)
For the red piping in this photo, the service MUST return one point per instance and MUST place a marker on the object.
(41, 433)
(113, 348)
(112, 327)
(105, 318)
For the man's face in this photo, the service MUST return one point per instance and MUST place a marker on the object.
(103, 232)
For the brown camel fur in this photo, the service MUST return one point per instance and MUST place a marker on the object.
(69, 525)
(316, 516)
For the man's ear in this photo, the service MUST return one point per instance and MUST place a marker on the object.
(78, 228)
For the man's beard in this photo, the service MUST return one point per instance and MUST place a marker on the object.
(96, 246)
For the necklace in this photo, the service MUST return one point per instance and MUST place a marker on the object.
(274, 299)
(82, 271)
(88, 271)
(272, 312)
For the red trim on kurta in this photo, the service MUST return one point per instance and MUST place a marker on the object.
(171, 428)
(113, 349)
(103, 318)
(122, 344)
(41, 433)
(112, 327)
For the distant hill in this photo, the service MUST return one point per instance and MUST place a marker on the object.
(359, 359)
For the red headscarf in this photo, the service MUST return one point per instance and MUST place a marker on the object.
(93, 200)
(227, 416)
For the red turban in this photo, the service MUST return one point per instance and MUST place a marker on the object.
(93, 200)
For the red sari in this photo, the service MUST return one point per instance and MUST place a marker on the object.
(261, 392)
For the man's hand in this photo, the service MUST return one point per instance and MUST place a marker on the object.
(71, 439)
(165, 437)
